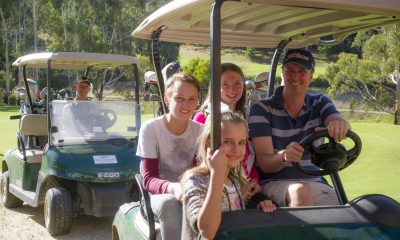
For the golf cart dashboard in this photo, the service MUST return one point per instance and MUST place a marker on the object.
(368, 217)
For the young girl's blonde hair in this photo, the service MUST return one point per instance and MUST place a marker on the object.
(203, 143)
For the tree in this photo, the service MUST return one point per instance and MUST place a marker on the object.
(200, 69)
(331, 52)
(5, 38)
(373, 74)
(78, 25)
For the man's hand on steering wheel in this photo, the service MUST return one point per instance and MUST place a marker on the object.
(293, 152)
(337, 129)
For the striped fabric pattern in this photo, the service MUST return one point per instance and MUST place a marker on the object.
(269, 118)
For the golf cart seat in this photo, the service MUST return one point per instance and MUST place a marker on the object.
(31, 135)
(145, 219)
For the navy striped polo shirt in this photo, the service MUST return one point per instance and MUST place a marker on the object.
(269, 118)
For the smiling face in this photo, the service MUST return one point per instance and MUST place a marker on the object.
(297, 78)
(233, 140)
(182, 100)
(231, 88)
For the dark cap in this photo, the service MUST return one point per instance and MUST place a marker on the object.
(83, 80)
(300, 56)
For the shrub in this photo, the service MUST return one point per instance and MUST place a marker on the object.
(200, 69)
(12, 99)
(319, 82)
(249, 53)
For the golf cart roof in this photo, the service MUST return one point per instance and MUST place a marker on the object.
(265, 23)
(74, 60)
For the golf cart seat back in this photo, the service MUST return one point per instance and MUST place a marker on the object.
(33, 125)
(32, 137)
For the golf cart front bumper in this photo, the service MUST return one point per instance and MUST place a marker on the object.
(104, 199)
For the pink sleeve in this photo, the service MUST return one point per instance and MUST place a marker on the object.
(199, 117)
(151, 181)
(254, 174)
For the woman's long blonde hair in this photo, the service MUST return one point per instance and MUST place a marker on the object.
(203, 143)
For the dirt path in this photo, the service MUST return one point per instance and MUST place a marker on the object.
(27, 223)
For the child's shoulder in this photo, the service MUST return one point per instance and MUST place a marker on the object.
(153, 121)
(195, 124)
(196, 179)
(195, 185)
(194, 127)
(151, 127)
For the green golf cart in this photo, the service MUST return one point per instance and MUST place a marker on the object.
(75, 157)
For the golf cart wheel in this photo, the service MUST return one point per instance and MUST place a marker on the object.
(8, 199)
(58, 211)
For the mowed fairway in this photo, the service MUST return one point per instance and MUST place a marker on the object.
(8, 128)
(377, 168)
(375, 171)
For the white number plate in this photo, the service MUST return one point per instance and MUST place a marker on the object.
(105, 159)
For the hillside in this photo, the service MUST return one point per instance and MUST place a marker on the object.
(249, 67)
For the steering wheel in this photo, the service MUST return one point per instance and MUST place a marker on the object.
(330, 157)
(43, 93)
(105, 118)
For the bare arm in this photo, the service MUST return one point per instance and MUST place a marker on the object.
(270, 161)
(210, 213)
(265, 156)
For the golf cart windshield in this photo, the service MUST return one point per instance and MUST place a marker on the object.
(84, 121)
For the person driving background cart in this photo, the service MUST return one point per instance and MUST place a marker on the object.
(80, 113)
(82, 89)
(279, 123)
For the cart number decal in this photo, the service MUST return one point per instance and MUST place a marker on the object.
(104, 159)
(112, 175)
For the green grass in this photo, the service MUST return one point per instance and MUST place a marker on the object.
(376, 169)
(8, 128)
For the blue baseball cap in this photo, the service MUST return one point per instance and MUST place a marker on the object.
(300, 56)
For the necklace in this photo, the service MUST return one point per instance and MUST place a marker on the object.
(235, 193)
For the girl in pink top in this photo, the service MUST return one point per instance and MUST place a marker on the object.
(233, 94)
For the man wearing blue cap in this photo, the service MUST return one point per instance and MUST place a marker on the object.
(279, 123)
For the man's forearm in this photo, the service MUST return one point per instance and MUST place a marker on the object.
(271, 162)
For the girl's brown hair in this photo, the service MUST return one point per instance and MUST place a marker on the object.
(241, 104)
